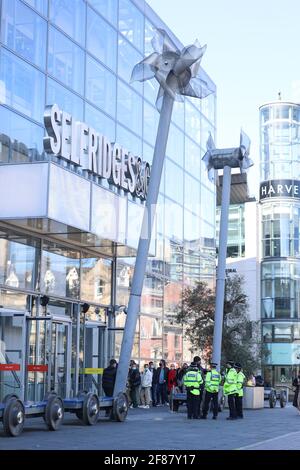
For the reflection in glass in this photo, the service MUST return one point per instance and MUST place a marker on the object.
(18, 261)
(39, 5)
(24, 31)
(100, 122)
(96, 280)
(65, 99)
(101, 39)
(107, 8)
(65, 60)
(60, 271)
(129, 108)
(128, 56)
(20, 79)
(100, 86)
(131, 23)
(70, 17)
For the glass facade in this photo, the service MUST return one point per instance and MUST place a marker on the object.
(236, 230)
(81, 58)
(280, 257)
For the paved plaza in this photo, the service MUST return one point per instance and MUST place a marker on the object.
(159, 429)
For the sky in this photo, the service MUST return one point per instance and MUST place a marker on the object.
(253, 52)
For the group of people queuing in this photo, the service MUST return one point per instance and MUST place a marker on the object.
(152, 386)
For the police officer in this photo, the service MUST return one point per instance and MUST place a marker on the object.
(212, 384)
(240, 390)
(230, 388)
(192, 381)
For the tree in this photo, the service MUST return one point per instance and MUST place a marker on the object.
(241, 337)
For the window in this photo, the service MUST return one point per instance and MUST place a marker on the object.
(174, 181)
(65, 99)
(100, 86)
(192, 121)
(70, 17)
(175, 145)
(192, 158)
(39, 5)
(128, 58)
(101, 39)
(20, 139)
(96, 280)
(131, 23)
(65, 60)
(60, 273)
(107, 8)
(130, 141)
(100, 122)
(18, 80)
(129, 108)
(24, 31)
(18, 261)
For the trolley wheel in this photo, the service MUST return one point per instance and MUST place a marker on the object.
(90, 410)
(13, 417)
(282, 398)
(54, 412)
(78, 412)
(272, 399)
(120, 407)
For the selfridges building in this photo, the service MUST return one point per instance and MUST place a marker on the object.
(76, 145)
(280, 250)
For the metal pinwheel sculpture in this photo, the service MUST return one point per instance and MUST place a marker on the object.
(176, 71)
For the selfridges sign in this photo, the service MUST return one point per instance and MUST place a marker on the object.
(279, 188)
(84, 146)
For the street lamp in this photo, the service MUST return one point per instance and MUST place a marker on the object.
(178, 73)
(217, 159)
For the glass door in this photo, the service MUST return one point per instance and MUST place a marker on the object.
(60, 358)
(94, 345)
(12, 353)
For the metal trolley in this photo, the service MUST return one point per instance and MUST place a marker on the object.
(50, 365)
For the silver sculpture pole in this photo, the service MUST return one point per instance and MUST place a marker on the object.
(221, 270)
(216, 159)
(177, 73)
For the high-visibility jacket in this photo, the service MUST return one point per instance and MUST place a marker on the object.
(193, 378)
(230, 383)
(212, 381)
(240, 382)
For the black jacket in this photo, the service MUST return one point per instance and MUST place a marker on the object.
(108, 380)
(134, 378)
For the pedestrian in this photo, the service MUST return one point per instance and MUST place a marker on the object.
(134, 379)
(230, 388)
(146, 382)
(212, 385)
(240, 390)
(296, 384)
(172, 382)
(162, 377)
(154, 383)
(109, 378)
(180, 373)
(192, 381)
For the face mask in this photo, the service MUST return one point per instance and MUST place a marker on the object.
(133, 367)
(160, 365)
(146, 368)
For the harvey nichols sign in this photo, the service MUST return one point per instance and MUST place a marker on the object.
(279, 188)
(82, 145)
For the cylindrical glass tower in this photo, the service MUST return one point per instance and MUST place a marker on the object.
(279, 251)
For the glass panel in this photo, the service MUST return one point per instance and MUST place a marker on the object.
(128, 140)
(267, 333)
(96, 280)
(107, 8)
(129, 108)
(192, 194)
(173, 220)
(100, 122)
(60, 271)
(17, 80)
(24, 31)
(11, 351)
(101, 39)
(192, 121)
(175, 145)
(151, 338)
(40, 5)
(65, 60)
(14, 300)
(127, 59)
(100, 86)
(152, 297)
(191, 228)
(124, 278)
(70, 17)
(192, 158)
(20, 139)
(131, 23)
(18, 261)
(207, 204)
(65, 99)
(59, 358)
(174, 181)
(151, 118)
(38, 351)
